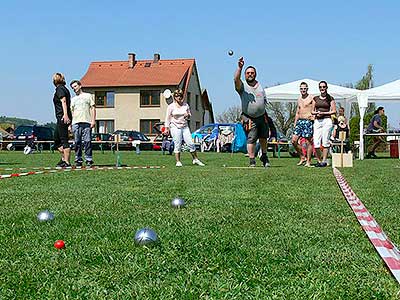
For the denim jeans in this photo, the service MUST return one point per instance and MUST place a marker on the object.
(82, 134)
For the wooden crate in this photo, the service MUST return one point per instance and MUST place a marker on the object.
(337, 160)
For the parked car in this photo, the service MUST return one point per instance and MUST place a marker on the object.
(101, 137)
(128, 137)
(213, 128)
(30, 134)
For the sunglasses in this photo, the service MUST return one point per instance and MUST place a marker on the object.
(303, 89)
(178, 96)
(322, 87)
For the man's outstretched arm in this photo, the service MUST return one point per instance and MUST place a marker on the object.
(238, 73)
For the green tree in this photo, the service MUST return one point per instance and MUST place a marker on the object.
(230, 115)
(17, 121)
(50, 125)
(365, 83)
(283, 114)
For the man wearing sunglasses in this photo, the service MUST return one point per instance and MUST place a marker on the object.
(253, 98)
(303, 124)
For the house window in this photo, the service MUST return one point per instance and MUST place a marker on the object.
(197, 125)
(150, 98)
(146, 126)
(188, 98)
(105, 126)
(104, 99)
(197, 102)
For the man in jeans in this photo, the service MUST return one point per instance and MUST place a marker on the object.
(84, 119)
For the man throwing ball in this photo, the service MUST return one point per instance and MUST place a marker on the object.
(253, 100)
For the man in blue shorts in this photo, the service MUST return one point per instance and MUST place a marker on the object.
(303, 124)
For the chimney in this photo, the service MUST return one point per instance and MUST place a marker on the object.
(156, 57)
(131, 60)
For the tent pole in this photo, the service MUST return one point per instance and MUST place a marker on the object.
(361, 150)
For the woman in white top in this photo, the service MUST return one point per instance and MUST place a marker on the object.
(178, 112)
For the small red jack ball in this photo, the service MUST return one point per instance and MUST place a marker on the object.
(60, 244)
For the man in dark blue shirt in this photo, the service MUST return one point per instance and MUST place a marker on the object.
(375, 126)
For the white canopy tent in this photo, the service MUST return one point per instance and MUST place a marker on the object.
(389, 92)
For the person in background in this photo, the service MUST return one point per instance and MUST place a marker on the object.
(83, 121)
(342, 126)
(62, 102)
(324, 106)
(209, 141)
(341, 114)
(167, 145)
(375, 126)
(178, 112)
(304, 125)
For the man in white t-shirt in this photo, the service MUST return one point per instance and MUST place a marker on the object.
(253, 98)
(83, 120)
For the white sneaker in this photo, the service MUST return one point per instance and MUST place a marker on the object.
(178, 164)
(196, 161)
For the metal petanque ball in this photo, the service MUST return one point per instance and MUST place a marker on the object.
(230, 52)
(45, 215)
(178, 203)
(146, 237)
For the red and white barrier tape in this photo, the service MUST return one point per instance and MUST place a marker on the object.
(385, 248)
(55, 170)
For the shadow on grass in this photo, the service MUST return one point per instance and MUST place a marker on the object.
(9, 163)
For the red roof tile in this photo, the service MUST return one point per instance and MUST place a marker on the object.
(144, 73)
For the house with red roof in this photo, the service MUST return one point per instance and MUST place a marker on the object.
(129, 94)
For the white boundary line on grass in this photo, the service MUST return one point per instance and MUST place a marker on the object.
(385, 248)
(55, 170)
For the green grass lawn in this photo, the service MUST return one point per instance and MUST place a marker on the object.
(281, 233)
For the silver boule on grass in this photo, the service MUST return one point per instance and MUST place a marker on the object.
(146, 237)
(45, 215)
(178, 203)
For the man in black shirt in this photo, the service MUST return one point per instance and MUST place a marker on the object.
(62, 102)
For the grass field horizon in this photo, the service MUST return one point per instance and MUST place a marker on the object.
(280, 233)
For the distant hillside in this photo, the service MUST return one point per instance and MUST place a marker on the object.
(17, 121)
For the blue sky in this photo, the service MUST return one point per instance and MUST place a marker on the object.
(285, 40)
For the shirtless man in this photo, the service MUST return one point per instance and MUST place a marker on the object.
(303, 124)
